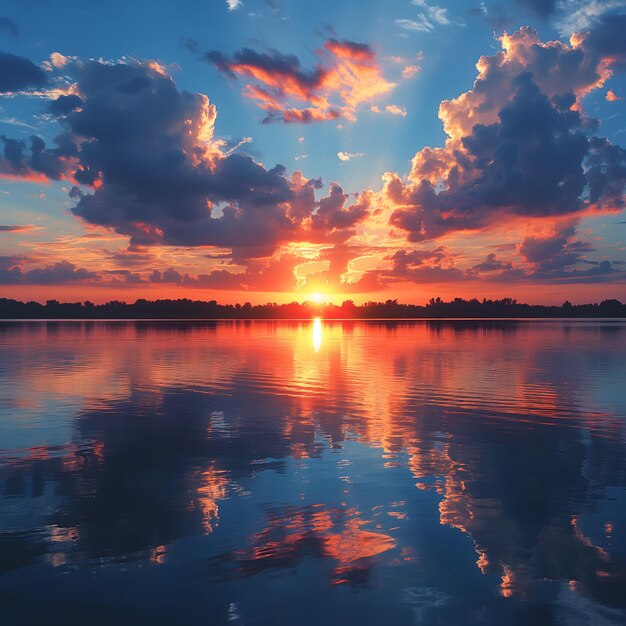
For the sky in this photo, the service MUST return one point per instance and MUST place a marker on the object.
(280, 150)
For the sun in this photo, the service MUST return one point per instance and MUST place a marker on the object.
(317, 297)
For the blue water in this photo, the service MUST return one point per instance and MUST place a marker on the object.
(313, 473)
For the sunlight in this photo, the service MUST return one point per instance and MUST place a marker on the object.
(317, 297)
(317, 333)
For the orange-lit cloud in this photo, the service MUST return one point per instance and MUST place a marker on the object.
(347, 75)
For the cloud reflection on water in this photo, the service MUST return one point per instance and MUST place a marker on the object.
(482, 459)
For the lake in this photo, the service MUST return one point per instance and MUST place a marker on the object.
(311, 472)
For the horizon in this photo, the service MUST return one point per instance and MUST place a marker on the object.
(188, 309)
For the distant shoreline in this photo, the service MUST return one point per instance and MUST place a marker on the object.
(310, 319)
(190, 310)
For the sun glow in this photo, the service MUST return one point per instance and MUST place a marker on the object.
(317, 297)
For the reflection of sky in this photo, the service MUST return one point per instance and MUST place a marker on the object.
(433, 468)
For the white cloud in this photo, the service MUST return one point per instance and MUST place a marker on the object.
(346, 156)
(394, 109)
(428, 18)
(410, 70)
(576, 15)
(434, 13)
(240, 143)
(232, 5)
(13, 121)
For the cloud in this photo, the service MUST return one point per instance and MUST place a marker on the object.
(522, 150)
(271, 275)
(347, 75)
(392, 109)
(424, 266)
(554, 255)
(64, 105)
(18, 73)
(492, 263)
(233, 5)
(611, 96)
(574, 16)
(428, 18)
(333, 216)
(410, 70)
(9, 26)
(33, 160)
(147, 152)
(606, 41)
(12, 273)
(346, 156)
(4, 228)
(395, 110)
(144, 162)
(142, 159)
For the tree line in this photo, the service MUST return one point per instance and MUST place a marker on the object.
(198, 309)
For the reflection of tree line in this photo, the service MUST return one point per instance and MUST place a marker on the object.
(196, 309)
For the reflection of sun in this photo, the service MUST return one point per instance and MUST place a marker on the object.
(317, 334)
(317, 297)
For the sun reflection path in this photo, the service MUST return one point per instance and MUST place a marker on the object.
(317, 333)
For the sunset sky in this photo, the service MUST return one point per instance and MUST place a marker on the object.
(278, 150)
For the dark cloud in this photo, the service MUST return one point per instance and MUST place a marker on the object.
(125, 276)
(18, 73)
(492, 263)
(606, 39)
(272, 64)
(424, 266)
(14, 228)
(64, 105)
(11, 273)
(530, 163)
(555, 254)
(193, 45)
(518, 146)
(333, 216)
(8, 26)
(158, 175)
(33, 159)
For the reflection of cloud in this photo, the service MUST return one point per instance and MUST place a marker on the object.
(294, 533)
(172, 420)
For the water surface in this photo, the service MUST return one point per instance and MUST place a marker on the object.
(309, 472)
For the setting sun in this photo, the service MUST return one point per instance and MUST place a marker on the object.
(317, 297)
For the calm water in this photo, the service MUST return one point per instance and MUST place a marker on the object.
(313, 473)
